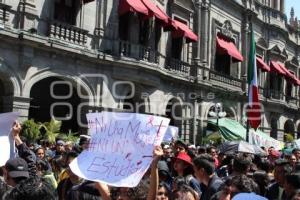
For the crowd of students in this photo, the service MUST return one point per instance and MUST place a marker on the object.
(178, 171)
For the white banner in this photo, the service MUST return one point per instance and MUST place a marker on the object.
(120, 149)
(171, 134)
(7, 144)
(263, 140)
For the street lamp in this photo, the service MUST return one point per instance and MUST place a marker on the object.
(218, 113)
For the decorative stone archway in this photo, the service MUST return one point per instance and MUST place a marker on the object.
(66, 97)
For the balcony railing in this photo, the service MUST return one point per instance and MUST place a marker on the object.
(223, 78)
(275, 94)
(291, 100)
(4, 14)
(138, 51)
(68, 33)
(178, 66)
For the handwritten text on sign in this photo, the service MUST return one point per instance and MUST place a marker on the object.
(120, 149)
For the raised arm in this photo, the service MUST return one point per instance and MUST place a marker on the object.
(104, 191)
(23, 151)
(154, 178)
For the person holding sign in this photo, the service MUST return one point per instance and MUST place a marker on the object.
(21, 174)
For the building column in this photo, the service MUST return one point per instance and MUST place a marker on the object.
(245, 46)
(100, 22)
(198, 14)
(282, 6)
(28, 15)
(17, 104)
(204, 31)
(277, 6)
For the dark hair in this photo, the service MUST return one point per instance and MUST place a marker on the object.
(206, 162)
(241, 163)
(244, 184)
(202, 150)
(71, 154)
(185, 189)
(30, 189)
(42, 165)
(287, 169)
(208, 150)
(266, 166)
(262, 180)
(293, 179)
(295, 149)
(164, 185)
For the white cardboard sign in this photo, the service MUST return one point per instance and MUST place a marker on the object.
(171, 134)
(6, 141)
(120, 149)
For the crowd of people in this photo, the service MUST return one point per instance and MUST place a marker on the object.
(178, 171)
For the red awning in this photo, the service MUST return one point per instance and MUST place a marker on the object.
(126, 6)
(229, 48)
(295, 80)
(275, 67)
(183, 31)
(262, 65)
(155, 11)
(290, 76)
(87, 1)
(287, 74)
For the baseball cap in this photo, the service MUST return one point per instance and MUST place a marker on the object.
(60, 142)
(17, 167)
(84, 139)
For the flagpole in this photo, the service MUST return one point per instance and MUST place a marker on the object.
(248, 125)
(247, 131)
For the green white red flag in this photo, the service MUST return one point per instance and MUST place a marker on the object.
(254, 108)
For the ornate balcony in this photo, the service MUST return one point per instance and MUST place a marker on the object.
(138, 52)
(175, 65)
(4, 14)
(225, 79)
(291, 100)
(275, 94)
(68, 33)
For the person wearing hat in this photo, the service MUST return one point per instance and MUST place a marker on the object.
(180, 147)
(15, 170)
(23, 167)
(59, 148)
(183, 167)
(84, 141)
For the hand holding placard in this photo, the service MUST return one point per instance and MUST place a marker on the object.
(121, 147)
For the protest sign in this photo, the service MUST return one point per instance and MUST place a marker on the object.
(120, 149)
(171, 134)
(6, 141)
(261, 139)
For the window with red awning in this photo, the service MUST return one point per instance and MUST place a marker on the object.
(156, 11)
(229, 48)
(182, 30)
(262, 65)
(138, 6)
(277, 69)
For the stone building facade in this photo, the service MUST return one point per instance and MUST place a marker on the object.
(69, 57)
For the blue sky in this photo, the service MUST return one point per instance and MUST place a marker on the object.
(295, 4)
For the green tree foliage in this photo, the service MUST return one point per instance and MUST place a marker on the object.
(70, 136)
(31, 130)
(52, 129)
(288, 137)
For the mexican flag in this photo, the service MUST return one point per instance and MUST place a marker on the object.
(254, 108)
